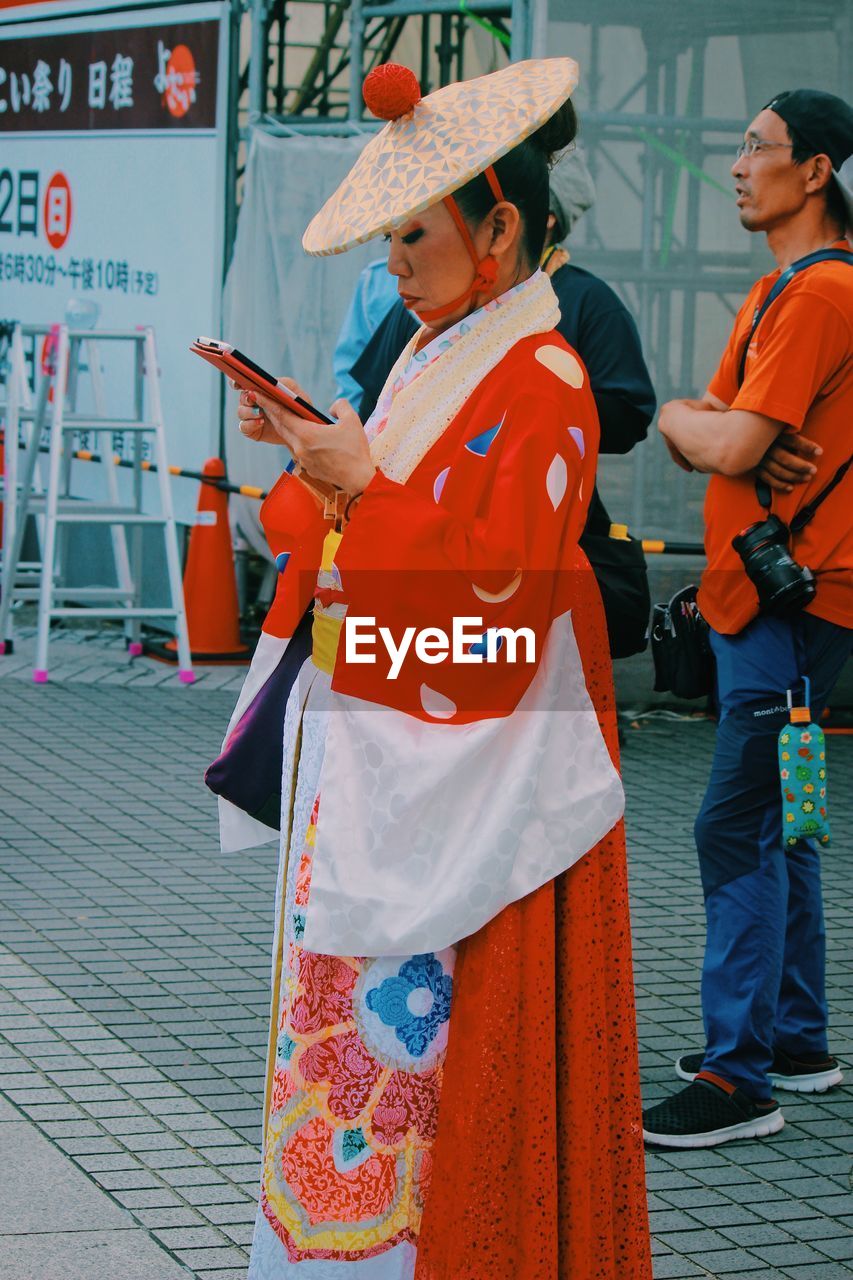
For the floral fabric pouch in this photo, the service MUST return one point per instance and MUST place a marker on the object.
(802, 773)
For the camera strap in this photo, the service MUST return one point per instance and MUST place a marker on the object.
(762, 490)
(822, 255)
(805, 514)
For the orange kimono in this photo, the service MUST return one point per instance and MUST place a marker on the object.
(453, 1089)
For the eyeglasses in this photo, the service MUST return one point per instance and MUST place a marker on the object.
(751, 145)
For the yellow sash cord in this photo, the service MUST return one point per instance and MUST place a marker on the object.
(326, 629)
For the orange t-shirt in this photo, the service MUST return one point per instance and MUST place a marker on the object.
(799, 370)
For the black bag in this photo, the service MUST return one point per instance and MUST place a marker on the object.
(248, 771)
(681, 647)
(619, 566)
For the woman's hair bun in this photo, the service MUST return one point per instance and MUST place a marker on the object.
(557, 133)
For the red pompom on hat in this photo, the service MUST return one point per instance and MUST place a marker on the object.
(391, 91)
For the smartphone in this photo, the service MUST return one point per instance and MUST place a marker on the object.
(251, 377)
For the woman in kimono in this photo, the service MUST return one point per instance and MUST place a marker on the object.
(452, 1086)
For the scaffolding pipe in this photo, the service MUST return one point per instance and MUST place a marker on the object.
(258, 60)
(520, 36)
(659, 120)
(638, 483)
(307, 89)
(297, 126)
(413, 8)
(356, 59)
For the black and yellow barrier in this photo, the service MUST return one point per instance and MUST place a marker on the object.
(651, 546)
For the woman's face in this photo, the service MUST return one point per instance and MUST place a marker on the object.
(432, 265)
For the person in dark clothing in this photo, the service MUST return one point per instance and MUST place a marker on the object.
(376, 361)
(600, 328)
(597, 324)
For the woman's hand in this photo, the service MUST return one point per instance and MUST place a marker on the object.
(338, 454)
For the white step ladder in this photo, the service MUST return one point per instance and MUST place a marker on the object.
(60, 510)
(15, 407)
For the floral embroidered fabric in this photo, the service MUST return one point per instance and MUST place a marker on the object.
(355, 1070)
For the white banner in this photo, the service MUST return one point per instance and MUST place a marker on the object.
(112, 191)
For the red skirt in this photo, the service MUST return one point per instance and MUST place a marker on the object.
(538, 1165)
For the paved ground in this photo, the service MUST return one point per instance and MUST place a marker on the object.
(133, 1004)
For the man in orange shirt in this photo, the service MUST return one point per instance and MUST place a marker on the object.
(774, 430)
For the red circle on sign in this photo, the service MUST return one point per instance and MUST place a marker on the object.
(181, 80)
(57, 211)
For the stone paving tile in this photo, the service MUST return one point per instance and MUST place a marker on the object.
(230, 1273)
(727, 1262)
(752, 1234)
(759, 1273)
(95, 1255)
(818, 1271)
(133, 997)
(781, 1209)
(157, 1218)
(673, 1267)
(818, 1229)
(841, 1249)
(202, 1260)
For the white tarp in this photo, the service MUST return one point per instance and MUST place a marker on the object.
(282, 308)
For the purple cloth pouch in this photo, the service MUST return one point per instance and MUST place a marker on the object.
(248, 771)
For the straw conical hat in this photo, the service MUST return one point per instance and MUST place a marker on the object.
(443, 142)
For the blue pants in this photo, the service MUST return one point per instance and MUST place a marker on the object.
(763, 975)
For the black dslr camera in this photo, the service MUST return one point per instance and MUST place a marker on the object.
(784, 587)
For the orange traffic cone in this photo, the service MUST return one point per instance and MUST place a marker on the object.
(210, 584)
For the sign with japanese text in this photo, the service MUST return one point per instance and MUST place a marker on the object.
(144, 77)
(112, 193)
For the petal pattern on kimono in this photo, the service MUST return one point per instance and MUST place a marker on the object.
(439, 483)
(557, 480)
(497, 597)
(577, 436)
(481, 646)
(481, 444)
(563, 364)
(435, 704)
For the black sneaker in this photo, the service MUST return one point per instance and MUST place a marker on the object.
(810, 1073)
(688, 1066)
(708, 1112)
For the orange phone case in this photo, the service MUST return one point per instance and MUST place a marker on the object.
(330, 498)
(248, 379)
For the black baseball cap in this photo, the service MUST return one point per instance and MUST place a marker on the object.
(824, 122)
